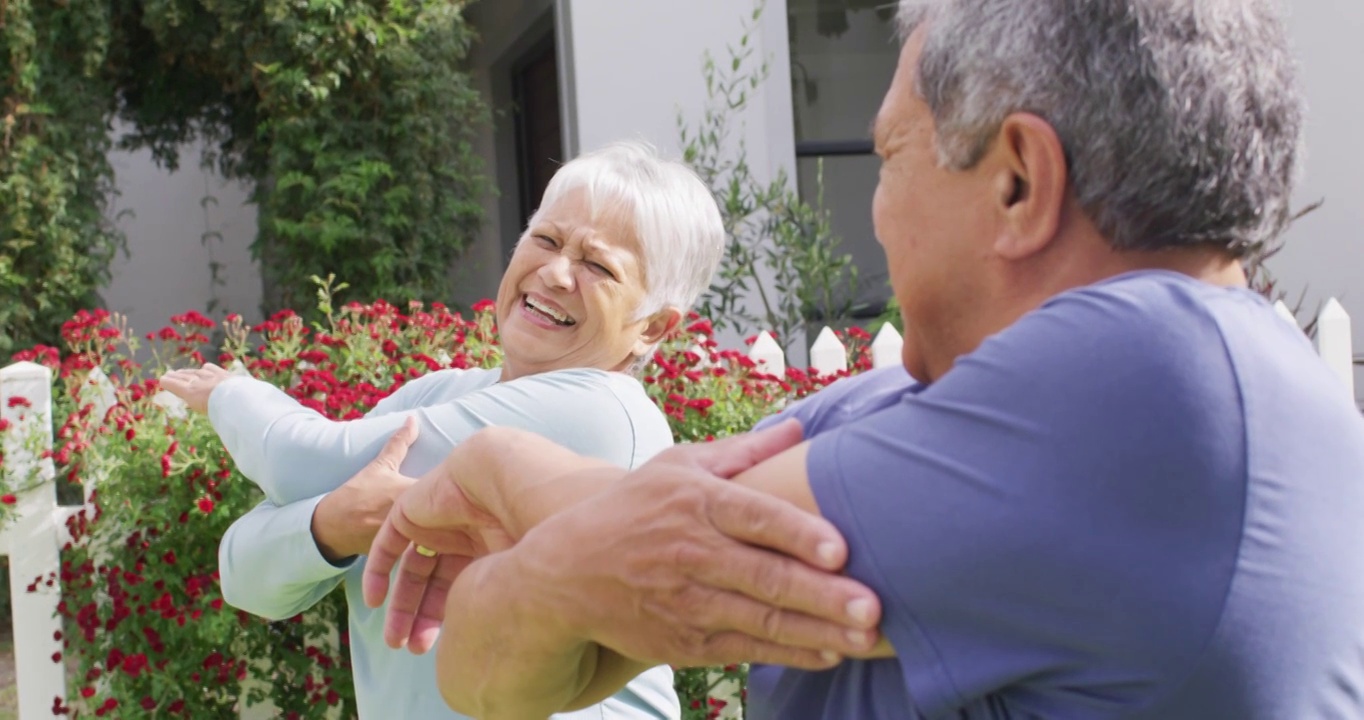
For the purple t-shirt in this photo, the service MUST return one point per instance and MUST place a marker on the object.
(1143, 500)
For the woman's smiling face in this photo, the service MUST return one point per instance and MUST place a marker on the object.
(571, 295)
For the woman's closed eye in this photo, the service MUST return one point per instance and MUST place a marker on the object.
(602, 270)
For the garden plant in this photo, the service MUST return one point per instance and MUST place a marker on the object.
(146, 631)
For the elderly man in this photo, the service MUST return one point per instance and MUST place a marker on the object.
(1123, 489)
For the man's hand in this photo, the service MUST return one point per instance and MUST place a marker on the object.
(675, 564)
(194, 386)
(437, 516)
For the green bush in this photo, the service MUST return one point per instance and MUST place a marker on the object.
(56, 97)
(352, 120)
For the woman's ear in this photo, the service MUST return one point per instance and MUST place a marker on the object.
(656, 327)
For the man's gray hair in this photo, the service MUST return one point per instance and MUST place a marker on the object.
(1180, 119)
(673, 214)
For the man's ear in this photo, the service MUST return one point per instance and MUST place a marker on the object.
(1031, 185)
(656, 327)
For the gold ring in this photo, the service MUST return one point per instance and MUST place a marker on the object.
(424, 551)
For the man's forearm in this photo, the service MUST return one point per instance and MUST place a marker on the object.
(523, 479)
(502, 657)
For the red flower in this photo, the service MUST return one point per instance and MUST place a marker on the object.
(484, 305)
(8, 499)
(205, 505)
(17, 401)
(701, 327)
(134, 664)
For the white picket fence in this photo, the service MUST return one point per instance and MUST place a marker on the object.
(33, 539)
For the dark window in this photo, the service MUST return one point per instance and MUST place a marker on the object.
(539, 145)
(843, 55)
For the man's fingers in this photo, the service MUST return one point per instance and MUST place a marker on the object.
(431, 612)
(397, 446)
(732, 611)
(405, 595)
(384, 552)
(779, 585)
(735, 647)
(764, 520)
(733, 455)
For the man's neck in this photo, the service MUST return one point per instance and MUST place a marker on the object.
(1071, 263)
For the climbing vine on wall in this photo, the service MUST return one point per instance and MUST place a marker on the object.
(352, 120)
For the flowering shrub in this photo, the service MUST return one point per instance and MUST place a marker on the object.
(147, 632)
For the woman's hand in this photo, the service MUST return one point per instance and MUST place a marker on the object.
(346, 519)
(194, 386)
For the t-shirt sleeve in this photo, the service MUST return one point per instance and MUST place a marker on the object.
(828, 407)
(1061, 508)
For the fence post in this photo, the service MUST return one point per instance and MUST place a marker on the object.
(1334, 343)
(1285, 313)
(98, 391)
(828, 356)
(886, 347)
(768, 355)
(31, 540)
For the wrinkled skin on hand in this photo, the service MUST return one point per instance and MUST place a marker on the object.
(194, 386)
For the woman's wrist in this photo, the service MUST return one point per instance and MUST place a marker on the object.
(331, 531)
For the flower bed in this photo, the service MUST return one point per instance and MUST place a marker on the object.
(146, 627)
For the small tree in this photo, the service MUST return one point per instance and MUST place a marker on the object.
(781, 251)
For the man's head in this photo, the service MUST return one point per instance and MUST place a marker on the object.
(1034, 146)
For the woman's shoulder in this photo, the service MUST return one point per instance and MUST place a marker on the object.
(442, 386)
(581, 379)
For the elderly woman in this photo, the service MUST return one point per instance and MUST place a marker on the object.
(621, 246)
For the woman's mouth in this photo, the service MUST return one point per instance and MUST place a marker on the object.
(543, 310)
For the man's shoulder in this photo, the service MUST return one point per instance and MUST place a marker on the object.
(1144, 327)
(847, 398)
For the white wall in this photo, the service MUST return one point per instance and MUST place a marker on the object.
(632, 66)
(1324, 252)
(635, 64)
(165, 217)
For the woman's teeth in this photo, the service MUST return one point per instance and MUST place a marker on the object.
(549, 313)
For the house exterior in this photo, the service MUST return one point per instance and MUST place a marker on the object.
(563, 76)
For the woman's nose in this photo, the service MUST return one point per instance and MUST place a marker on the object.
(558, 273)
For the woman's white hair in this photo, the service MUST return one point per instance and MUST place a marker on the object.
(673, 213)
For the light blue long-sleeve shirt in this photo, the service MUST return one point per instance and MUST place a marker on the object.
(270, 564)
